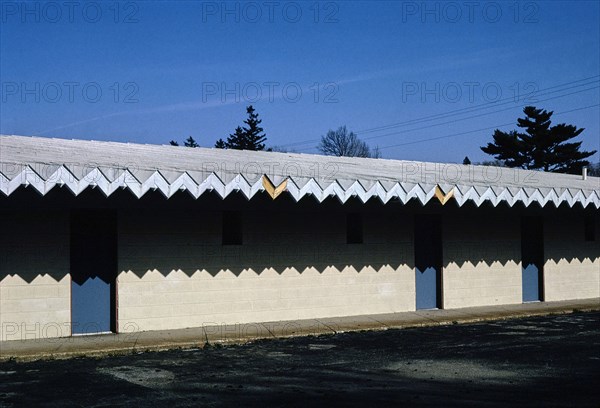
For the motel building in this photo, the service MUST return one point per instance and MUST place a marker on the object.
(101, 237)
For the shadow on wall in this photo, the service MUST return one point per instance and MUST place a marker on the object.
(186, 234)
(34, 245)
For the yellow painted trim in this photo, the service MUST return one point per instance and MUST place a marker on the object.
(444, 198)
(270, 188)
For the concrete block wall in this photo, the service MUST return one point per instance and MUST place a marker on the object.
(572, 268)
(35, 295)
(294, 263)
(481, 259)
(175, 273)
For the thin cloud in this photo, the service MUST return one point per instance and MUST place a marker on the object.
(443, 64)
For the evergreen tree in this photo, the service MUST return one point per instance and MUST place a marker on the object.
(236, 140)
(254, 137)
(466, 160)
(541, 146)
(495, 163)
(249, 137)
(190, 142)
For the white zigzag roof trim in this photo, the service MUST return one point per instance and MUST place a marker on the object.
(353, 177)
(422, 192)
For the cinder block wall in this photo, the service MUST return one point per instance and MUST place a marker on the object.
(35, 296)
(572, 268)
(482, 254)
(175, 272)
(294, 263)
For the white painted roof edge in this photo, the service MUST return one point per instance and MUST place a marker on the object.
(44, 163)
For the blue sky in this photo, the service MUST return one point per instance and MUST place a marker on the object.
(152, 71)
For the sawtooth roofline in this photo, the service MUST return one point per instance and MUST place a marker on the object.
(44, 163)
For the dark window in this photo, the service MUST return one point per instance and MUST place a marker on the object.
(354, 229)
(232, 228)
(590, 228)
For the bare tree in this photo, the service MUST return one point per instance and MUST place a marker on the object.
(340, 142)
(376, 153)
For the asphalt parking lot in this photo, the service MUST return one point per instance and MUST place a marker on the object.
(539, 361)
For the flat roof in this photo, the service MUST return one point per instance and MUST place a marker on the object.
(45, 163)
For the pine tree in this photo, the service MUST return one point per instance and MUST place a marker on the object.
(236, 140)
(249, 137)
(220, 144)
(466, 160)
(190, 142)
(254, 137)
(541, 146)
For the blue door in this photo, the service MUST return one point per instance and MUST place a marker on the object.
(90, 306)
(426, 282)
(531, 290)
(532, 258)
(93, 272)
(428, 261)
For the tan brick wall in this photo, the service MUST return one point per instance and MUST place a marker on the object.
(572, 268)
(175, 272)
(481, 259)
(35, 291)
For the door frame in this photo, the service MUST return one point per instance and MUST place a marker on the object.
(114, 290)
(538, 222)
(437, 220)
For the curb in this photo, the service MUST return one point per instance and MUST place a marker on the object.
(324, 329)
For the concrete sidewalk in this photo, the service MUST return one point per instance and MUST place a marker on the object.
(100, 345)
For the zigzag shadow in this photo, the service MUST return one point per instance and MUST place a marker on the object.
(183, 234)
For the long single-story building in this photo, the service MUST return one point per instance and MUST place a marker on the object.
(113, 237)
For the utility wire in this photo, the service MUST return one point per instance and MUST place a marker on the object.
(476, 116)
(477, 130)
(466, 110)
(470, 117)
(488, 105)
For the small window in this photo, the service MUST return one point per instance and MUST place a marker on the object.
(232, 228)
(354, 229)
(590, 228)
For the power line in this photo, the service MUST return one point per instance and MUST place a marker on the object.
(463, 110)
(477, 130)
(461, 119)
(476, 116)
(473, 116)
(487, 105)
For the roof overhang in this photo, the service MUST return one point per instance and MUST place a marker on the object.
(44, 164)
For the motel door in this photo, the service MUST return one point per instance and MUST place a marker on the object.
(93, 271)
(428, 261)
(532, 258)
